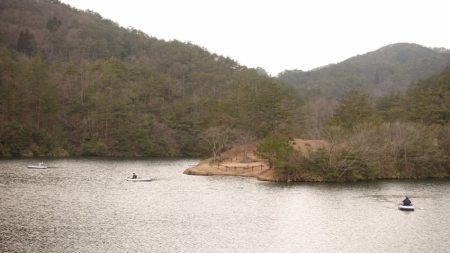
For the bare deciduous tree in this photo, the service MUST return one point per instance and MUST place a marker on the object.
(316, 113)
(217, 138)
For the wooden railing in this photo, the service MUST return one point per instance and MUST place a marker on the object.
(247, 167)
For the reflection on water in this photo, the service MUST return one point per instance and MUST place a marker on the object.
(86, 205)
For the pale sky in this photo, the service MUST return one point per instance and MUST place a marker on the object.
(283, 34)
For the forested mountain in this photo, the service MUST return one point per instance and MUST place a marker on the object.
(73, 83)
(388, 69)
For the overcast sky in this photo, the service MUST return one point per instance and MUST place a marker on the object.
(283, 34)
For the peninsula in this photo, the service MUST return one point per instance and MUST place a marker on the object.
(244, 161)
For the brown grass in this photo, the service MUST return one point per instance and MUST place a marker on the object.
(232, 161)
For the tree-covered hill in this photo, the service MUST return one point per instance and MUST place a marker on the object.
(73, 83)
(393, 137)
(388, 69)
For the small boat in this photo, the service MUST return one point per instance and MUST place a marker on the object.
(406, 207)
(39, 166)
(140, 179)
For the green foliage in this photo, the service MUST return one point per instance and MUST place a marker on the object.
(132, 142)
(315, 166)
(392, 107)
(95, 147)
(430, 99)
(14, 139)
(276, 149)
(45, 143)
(53, 24)
(264, 107)
(353, 109)
(26, 43)
(427, 101)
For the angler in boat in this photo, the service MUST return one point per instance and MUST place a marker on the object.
(406, 205)
(135, 178)
(406, 201)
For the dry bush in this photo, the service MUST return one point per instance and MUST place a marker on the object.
(401, 149)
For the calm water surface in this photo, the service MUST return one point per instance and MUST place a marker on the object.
(86, 205)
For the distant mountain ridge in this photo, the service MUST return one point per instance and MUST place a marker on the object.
(390, 68)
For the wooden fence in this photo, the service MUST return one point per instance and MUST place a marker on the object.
(247, 167)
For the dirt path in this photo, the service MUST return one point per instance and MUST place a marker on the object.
(233, 163)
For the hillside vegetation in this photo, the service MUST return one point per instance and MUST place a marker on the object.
(397, 136)
(73, 83)
(389, 69)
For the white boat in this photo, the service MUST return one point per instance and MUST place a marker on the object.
(39, 166)
(406, 207)
(140, 179)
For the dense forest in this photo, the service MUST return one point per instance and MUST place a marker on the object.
(73, 83)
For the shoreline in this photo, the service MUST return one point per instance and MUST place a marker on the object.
(204, 168)
(232, 162)
(207, 168)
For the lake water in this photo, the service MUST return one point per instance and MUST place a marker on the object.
(86, 205)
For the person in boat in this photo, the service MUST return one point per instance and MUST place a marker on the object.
(134, 176)
(406, 201)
